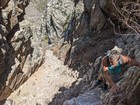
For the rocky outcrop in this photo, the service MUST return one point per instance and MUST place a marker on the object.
(93, 35)
(61, 18)
(21, 50)
(88, 98)
(80, 32)
(130, 83)
(45, 84)
(3, 3)
(130, 88)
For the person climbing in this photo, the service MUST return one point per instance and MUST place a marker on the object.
(111, 65)
(111, 68)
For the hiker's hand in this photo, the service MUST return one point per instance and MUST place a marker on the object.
(115, 88)
(115, 63)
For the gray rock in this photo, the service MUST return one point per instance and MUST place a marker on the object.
(58, 16)
(21, 51)
(87, 98)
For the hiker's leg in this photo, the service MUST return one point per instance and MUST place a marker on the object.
(98, 82)
(105, 87)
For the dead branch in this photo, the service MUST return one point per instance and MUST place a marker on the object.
(128, 15)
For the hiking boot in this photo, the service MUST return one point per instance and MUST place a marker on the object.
(105, 87)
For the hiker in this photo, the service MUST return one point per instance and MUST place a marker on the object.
(111, 65)
(110, 69)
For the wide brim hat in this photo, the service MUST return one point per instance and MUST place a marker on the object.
(117, 49)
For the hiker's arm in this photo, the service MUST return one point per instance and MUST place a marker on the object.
(108, 78)
(130, 61)
(114, 87)
(105, 71)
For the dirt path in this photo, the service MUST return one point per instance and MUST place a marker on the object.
(42, 86)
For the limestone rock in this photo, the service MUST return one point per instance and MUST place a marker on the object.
(21, 51)
(60, 18)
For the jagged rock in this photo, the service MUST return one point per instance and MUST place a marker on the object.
(88, 98)
(21, 50)
(84, 25)
(2, 63)
(3, 31)
(130, 82)
(51, 80)
(85, 49)
(3, 3)
(98, 19)
(89, 4)
(11, 13)
(59, 18)
(3, 48)
(129, 85)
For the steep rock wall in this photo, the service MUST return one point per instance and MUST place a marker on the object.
(20, 48)
(129, 84)
(60, 18)
(92, 36)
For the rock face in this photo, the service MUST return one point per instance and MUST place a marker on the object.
(130, 83)
(45, 84)
(92, 36)
(3, 3)
(61, 18)
(88, 98)
(20, 48)
(80, 32)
